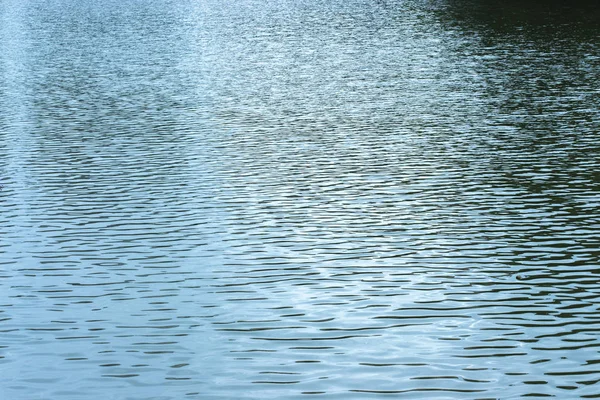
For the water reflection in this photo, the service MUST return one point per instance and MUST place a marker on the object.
(279, 199)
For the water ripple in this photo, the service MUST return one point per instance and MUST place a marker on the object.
(287, 199)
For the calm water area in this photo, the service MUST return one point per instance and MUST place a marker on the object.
(296, 199)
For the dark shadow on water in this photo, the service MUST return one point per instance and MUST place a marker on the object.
(504, 14)
(536, 66)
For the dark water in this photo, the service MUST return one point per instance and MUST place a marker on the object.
(299, 199)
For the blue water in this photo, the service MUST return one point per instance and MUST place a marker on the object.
(282, 199)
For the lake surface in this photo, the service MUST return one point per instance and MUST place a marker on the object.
(292, 199)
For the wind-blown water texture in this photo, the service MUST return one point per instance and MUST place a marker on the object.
(295, 199)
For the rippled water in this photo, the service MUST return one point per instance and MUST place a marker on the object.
(299, 199)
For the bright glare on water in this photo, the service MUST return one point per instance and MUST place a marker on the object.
(296, 199)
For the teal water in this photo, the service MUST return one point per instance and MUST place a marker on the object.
(282, 199)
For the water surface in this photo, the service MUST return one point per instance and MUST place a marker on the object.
(299, 199)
